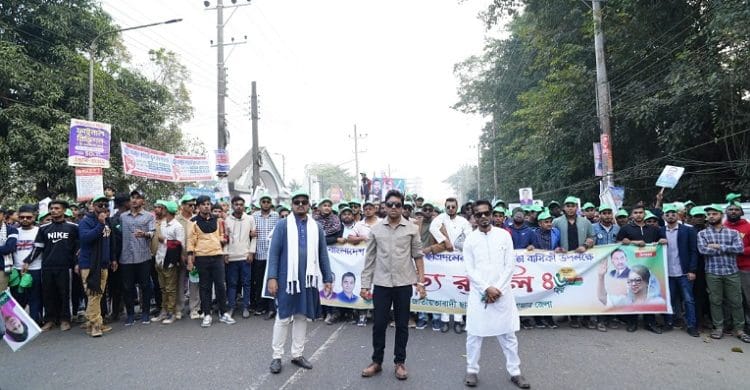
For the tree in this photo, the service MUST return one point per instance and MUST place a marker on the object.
(330, 176)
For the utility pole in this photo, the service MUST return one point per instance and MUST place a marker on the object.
(479, 161)
(256, 148)
(604, 105)
(493, 150)
(356, 156)
(221, 78)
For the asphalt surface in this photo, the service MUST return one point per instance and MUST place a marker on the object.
(185, 356)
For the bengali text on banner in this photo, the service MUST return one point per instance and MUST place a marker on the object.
(611, 279)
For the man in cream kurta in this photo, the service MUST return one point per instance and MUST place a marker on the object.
(491, 310)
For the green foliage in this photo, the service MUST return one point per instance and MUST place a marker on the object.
(44, 57)
(679, 85)
(329, 176)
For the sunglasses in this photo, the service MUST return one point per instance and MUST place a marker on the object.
(25, 217)
(451, 207)
(265, 201)
(302, 202)
(481, 214)
(101, 205)
(393, 205)
(428, 210)
(190, 205)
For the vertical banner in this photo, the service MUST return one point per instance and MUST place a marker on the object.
(19, 329)
(144, 162)
(598, 164)
(607, 163)
(191, 168)
(222, 161)
(670, 176)
(88, 144)
(89, 183)
(526, 196)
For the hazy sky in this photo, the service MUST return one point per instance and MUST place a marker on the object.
(323, 66)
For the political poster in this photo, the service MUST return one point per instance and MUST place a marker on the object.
(381, 186)
(89, 183)
(670, 176)
(526, 196)
(222, 161)
(191, 168)
(16, 327)
(598, 163)
(611, 279)
(148, 163)
(88, 144)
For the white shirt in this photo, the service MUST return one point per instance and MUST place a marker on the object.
(489, 261)
(362, 229)
(455, 228)
(24, 246)
(171, 230)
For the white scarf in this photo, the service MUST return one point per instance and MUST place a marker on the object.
(7, 259)
(312, 273)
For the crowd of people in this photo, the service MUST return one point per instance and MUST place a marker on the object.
(195, 258)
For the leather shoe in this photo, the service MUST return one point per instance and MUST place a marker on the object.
(275, 366)
(444, 327)
(302, 362)
(632, 327)
(270, 315)
(520, 381)
(372, 370)
(458, 327)
(653, 328)
(471, 379)
(693, 332)
(400, 371)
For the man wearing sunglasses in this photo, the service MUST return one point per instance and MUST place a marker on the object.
(297, 264)
(491, 308)
(24, 245)
(94, 260)
(449, 230)
(393, 265)
(265, 221)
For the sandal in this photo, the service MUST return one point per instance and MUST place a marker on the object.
(717, 334)
(744, 337)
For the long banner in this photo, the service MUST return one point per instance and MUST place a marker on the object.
(621, 279)
(154, 164)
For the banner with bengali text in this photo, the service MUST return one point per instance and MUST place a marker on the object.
(154, 164)
(611, 279)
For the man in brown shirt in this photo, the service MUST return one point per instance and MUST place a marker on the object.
(393, 264)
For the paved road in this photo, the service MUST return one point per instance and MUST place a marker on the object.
(185, 356)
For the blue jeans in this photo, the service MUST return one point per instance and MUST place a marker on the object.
(682, 290)
(238, 274)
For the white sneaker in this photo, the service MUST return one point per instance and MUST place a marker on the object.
(206, 321)
(194, 315)
(159, 318)
(178, 316)
(227, 319)
(168, 319)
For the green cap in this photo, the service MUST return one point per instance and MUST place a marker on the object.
(428, 203)
(571, 199)
(649, 215)
(587, 205)
(543, 216)
(498, 209)
(324, 200)
(605, 207)
(526, 208)
(409, 204)
(99, 197)
(714, 207)
(171, 207)
(355, 201)
(186, 198)
(345, 208)
(42, 216)
(265, 196)
(68, 213)
(499, 202)
(161, 202)
(731, 197)
(621, 213)
(670, 208)
(26, 281)
(553, 203)
(340, 206)
(697, 210)
(283, 206)
(689, 202)
(300, 193)
(536, 208)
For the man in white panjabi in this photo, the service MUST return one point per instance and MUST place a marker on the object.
(491, 310)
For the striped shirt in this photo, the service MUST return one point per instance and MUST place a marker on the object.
(264, 226)
(722, 261)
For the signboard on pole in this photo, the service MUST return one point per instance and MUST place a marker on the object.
(88, 145)
(222, 161)
(89, 183)
(606, 153)
(598, 164)
(670, 176)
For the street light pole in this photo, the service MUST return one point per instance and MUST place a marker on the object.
(92, 49)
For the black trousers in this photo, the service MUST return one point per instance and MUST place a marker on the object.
(400, 299)
(114, 292)
(211, 277)
(77, 295)
(155, 282)
(56, 294)
(257, 272)
(136, 273)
